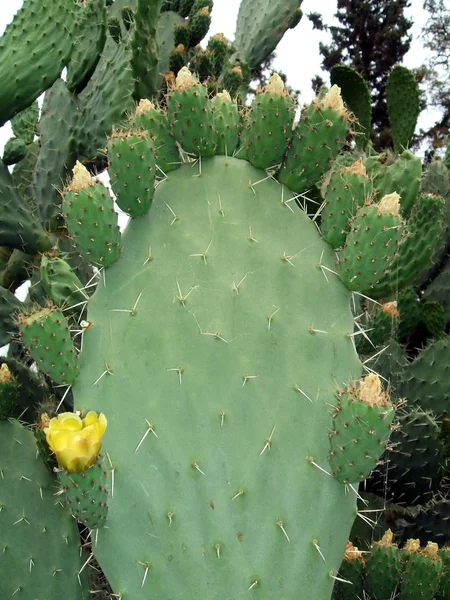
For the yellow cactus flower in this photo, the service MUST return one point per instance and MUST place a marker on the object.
(75, 441)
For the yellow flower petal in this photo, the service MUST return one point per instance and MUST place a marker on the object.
(90, 418)
(69, 421)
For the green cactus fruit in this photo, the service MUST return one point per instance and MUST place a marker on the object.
(316, 141)
(198, 25)
(62, 285)
(356, 95)
(232, 79)
(178, 58)
(9, 393)
(433, 317)
(401, 174)
(362, 424)
(383, 568)
(418, 241)
(350, 584)
(31, 387)
(270, 124)
(39, 540)
(410, 310)
(90, 217)
(219, 412)
(45, 332)
(421, 571)
(371, 244)
(132, 170)
(86, 494)
(227, 123)
(346, 191)
(90, 38)
(15, 150)
(154, 120)
(444, 585)
(403, 104)
(114, 29)
(24, 123)
(51, 39)
(190, 115)
(201, 63)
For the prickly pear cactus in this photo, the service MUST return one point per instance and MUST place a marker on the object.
(218, 339)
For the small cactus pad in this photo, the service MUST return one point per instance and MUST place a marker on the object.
(316, 141)
(154, 120)
(132, 170)
(190, 114)
(362, 425)
(45, 332)
(91, 219)
(421, 570)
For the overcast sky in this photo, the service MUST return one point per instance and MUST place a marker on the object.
(297, 54)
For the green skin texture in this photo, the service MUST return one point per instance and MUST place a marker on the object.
(420, 576)
(345, 193)
(156, 123)
(46, 335)
(90, 40)
(86, 493)
(92, 223)
(9, 398)
(359, 437)
(227, 123)
(316, 142)
(356, 96)
(382, 571)
(369, 248)
(44, 31)
(132, 170)
(24, 123)
(261, 25)
(271, 119)
(30, 237)
(403, 103)
(15, 150)
(33, 527)
(211, 315)
(426, 381)
(444, 588)
(8, 306)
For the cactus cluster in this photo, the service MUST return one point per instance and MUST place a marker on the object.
(219, 332)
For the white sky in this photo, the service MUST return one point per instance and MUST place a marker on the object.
(297, 54)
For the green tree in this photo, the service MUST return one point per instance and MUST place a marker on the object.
(436, 72)
(372, 37)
